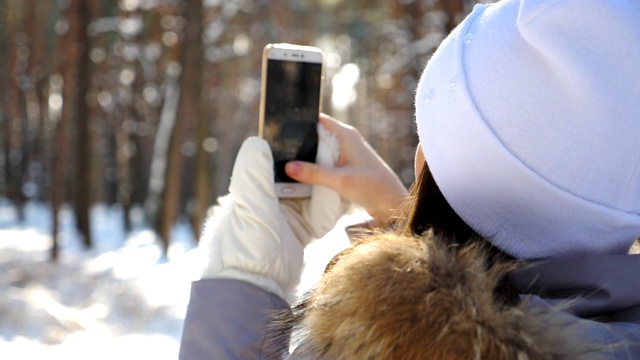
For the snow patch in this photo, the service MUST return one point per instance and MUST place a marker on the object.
(117, 299)
(121, 299)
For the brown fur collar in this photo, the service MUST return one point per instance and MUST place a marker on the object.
(394, 297)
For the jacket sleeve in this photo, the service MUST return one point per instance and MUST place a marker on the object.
(228, 319)
(592, 340)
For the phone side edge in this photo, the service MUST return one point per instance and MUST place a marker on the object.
(263, 89)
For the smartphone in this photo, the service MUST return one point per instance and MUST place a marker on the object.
(290, 103)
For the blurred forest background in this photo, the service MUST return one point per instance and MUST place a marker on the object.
(143, 103)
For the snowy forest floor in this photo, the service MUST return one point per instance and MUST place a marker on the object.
(122, 298)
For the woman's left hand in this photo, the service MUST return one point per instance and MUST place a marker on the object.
(361, 176)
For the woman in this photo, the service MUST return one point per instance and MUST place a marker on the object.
(529, 152)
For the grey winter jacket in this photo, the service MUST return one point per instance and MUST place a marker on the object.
(601, 297)
(227, 319)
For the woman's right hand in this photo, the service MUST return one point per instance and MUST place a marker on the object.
(361, 176)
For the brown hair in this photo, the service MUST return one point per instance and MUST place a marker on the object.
(426, 209)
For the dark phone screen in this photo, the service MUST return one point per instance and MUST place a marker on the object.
(292, 105)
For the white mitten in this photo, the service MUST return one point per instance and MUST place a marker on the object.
(255, 237)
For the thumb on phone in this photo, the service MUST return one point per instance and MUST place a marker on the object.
(322, 172)
(309, 173)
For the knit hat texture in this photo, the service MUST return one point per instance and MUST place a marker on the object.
(529, 118)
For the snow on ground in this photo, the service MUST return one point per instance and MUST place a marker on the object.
(122, 298)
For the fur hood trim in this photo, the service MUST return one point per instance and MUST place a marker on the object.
(392, 297)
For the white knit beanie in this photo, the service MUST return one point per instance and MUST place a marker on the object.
(529, 118)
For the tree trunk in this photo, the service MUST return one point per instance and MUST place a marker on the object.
(5, 29)
(60, 145)
(16, 116)
(167, 146)
(124, 131)
(191, 87)
(455, 12)
(39, 72)
(196, 90)
(80, 18)
(75, 68)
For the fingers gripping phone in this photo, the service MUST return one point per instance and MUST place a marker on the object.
(290, 103)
